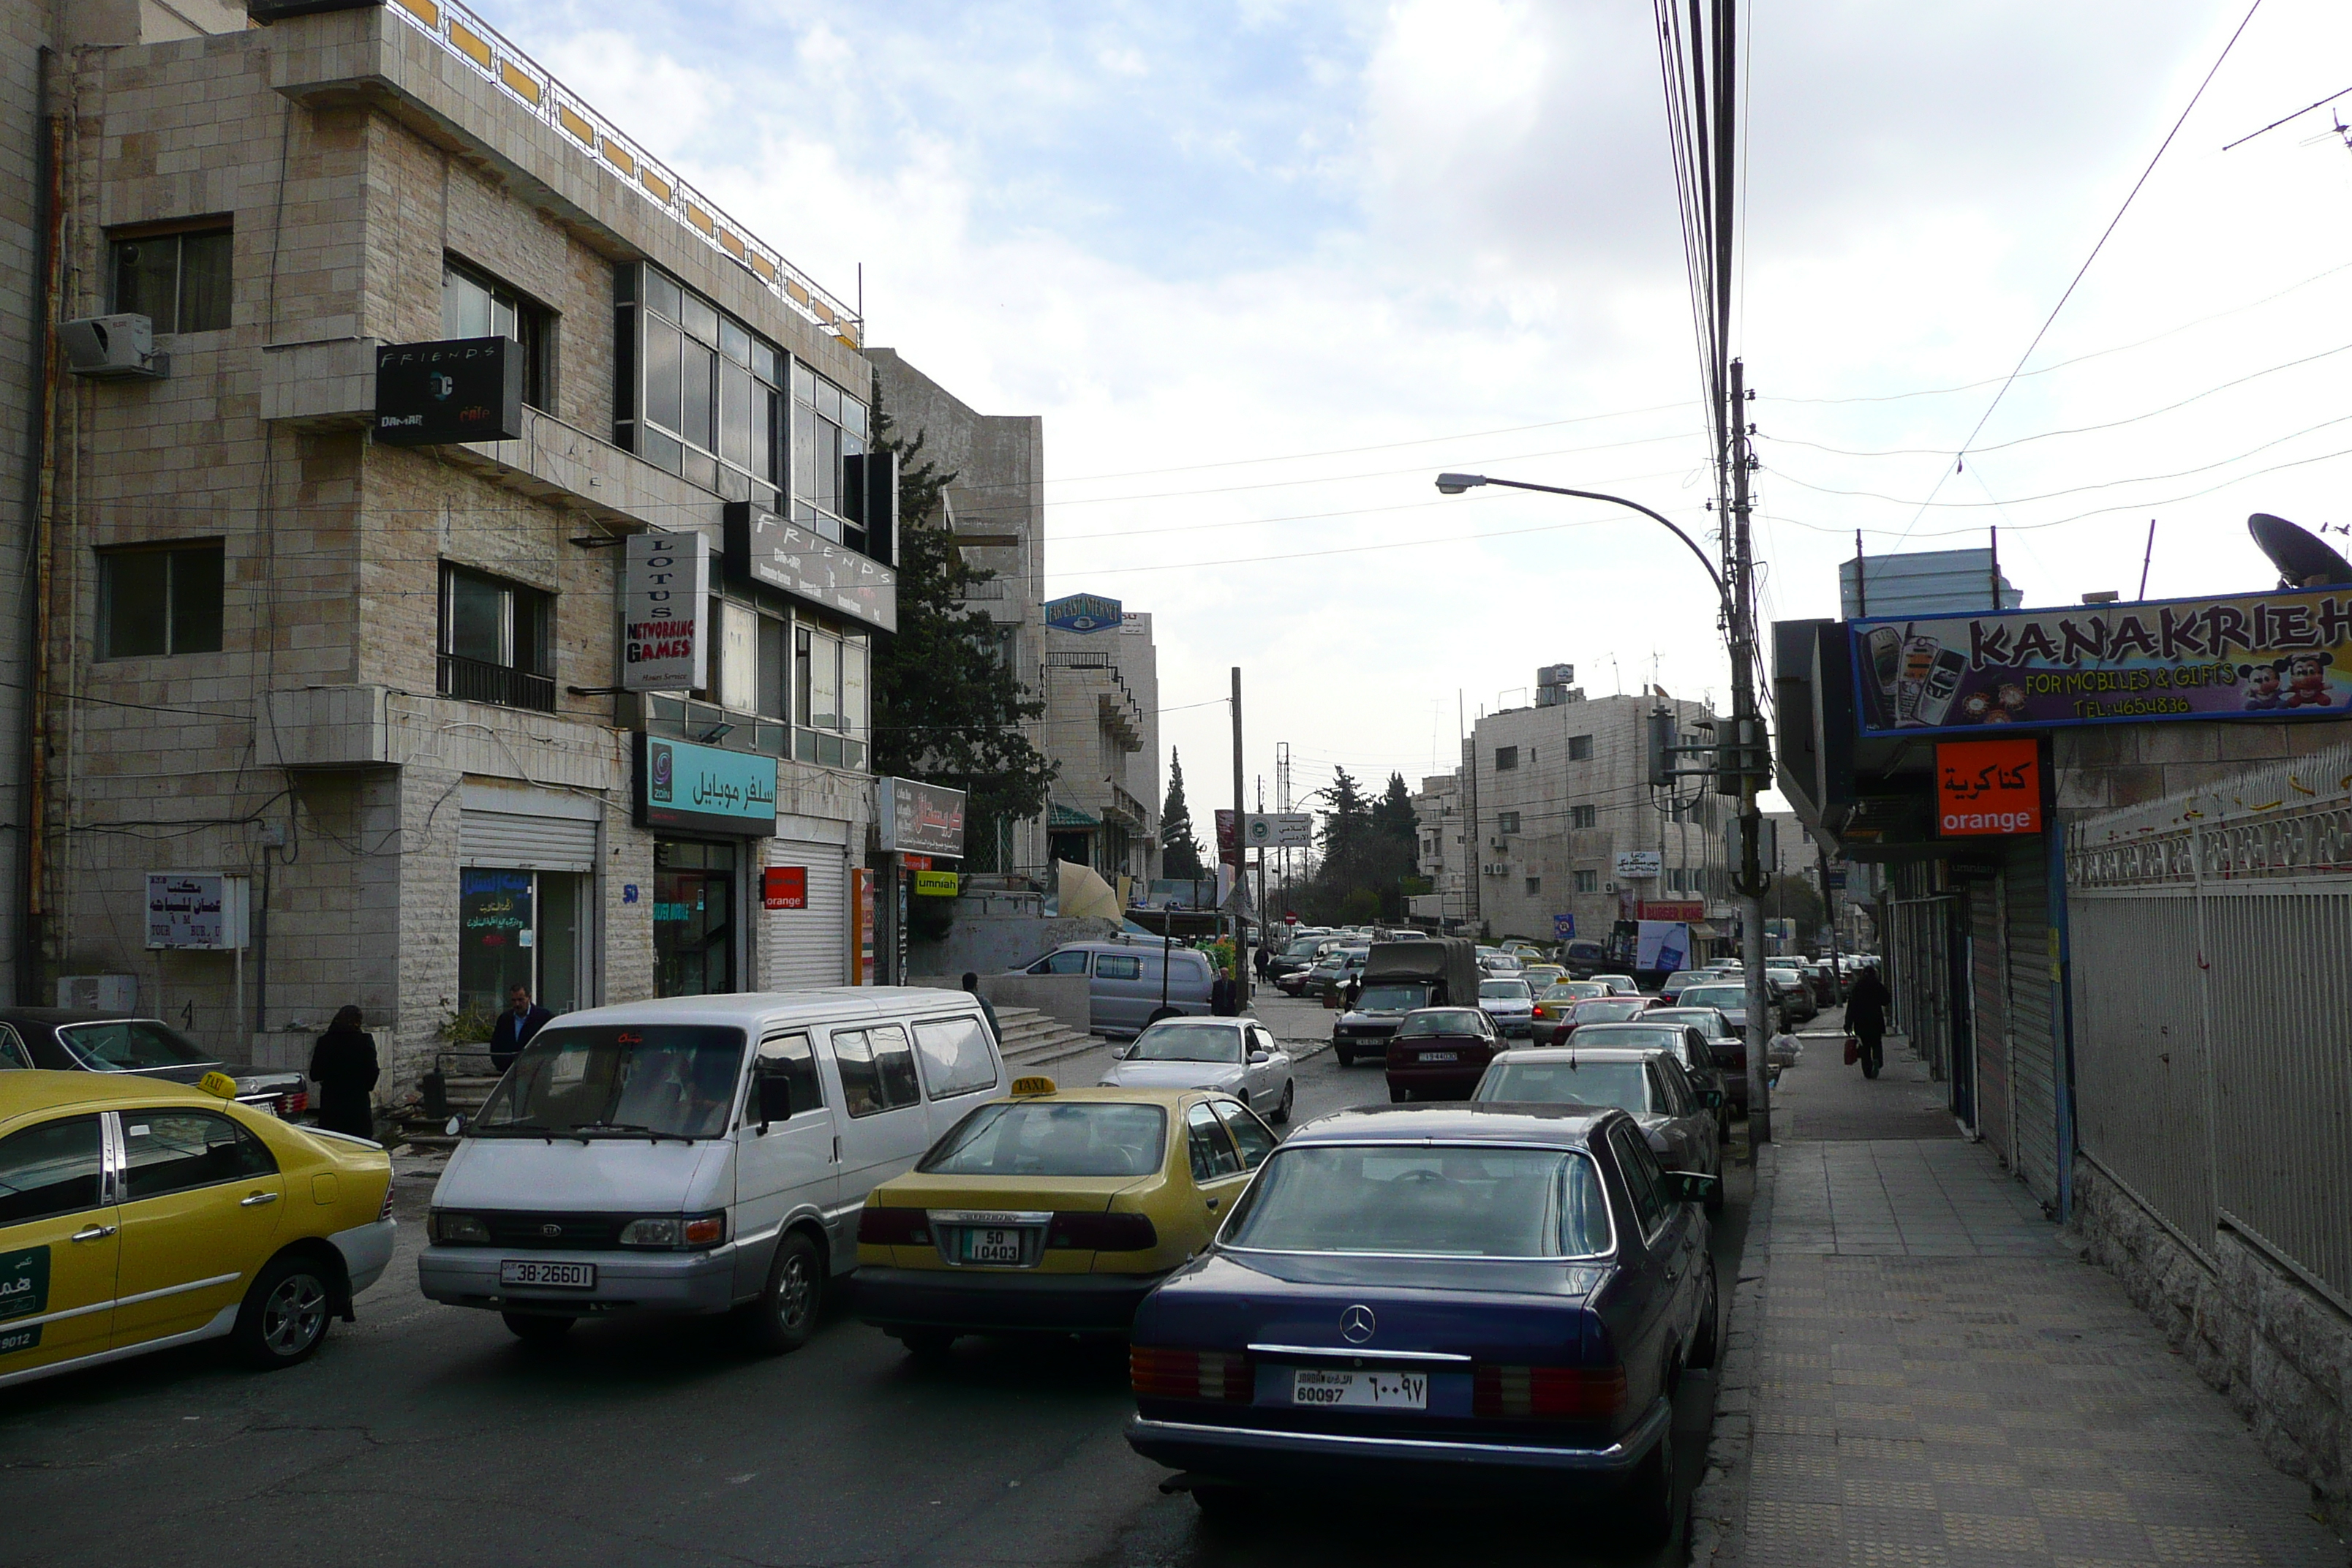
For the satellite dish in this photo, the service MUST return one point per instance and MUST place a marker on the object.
(2303, 559)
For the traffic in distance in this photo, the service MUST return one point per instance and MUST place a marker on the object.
(1502, 1274)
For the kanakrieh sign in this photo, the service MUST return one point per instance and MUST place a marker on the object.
(665, 595)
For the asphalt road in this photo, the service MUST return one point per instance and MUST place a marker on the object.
(425, 1434)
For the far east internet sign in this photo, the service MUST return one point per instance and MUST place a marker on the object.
(1987, 787)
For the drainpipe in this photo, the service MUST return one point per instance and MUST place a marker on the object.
(42, 473)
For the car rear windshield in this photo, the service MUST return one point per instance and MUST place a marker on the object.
(1174, 1041)
(1574, 990)
(1443, 1021)
(665, 1080)
(1449, 1200)
(1609, 1010)
(133, 1045)
(1597, 1084)
(1682, 977)
(1503, 991)
(1633, 1037)
(1715, 997)
(1035, 1138)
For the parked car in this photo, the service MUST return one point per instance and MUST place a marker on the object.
(1364, 1030)
(82, 1039)
(1672, 987)
(1583, 957)
(1332, 972)
(1793, 994)
(1540, 975)
(1552, 1005)
(1407, 1299)
(1510, 1003)
(1686, 1042)
(138, 1214)
(699, 1154)
(1680, 1119)
(1437, 1053)
(1720, 1010)
(1729, 997)
(1126, 989)
(1598, 1010)
(1295, 959)
(1823, 980)
(1619, 985)
(1054, 1211)
(1237, 1056)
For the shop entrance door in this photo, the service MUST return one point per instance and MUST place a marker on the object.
(694, 918)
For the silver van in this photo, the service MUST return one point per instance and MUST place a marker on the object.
(1125, 990)
(700, 1155)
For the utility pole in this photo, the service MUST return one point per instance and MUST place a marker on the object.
(1241, 804)
(1748, 759)
(1263, 916)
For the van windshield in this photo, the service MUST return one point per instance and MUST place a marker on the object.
(660, 1081)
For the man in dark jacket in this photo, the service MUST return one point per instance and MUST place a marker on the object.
(1865, 1016)
(516, 1026)
(995, 1030)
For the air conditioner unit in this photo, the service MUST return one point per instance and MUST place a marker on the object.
(1497, 869)
(1498, 844)
(110, 993)
(111, 348)
(1608, 887)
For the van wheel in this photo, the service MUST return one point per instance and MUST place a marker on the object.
(783, 1317)
(285, 1313)
(538, 1329)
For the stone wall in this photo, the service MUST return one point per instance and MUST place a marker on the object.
(2280, 1353)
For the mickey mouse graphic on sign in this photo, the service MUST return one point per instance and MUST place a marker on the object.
(2306, 681)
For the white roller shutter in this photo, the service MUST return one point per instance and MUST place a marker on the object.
(526, 843)
(2031, 1025)
(810, 947)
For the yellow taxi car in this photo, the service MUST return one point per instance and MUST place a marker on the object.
(136, 1214)
(1054, 1211)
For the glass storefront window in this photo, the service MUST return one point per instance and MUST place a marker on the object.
(497, 934)
(694, 918)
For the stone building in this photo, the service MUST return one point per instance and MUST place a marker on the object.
(379, 688)
(1102, 731)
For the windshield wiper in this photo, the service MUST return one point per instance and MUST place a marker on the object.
(584, 1128)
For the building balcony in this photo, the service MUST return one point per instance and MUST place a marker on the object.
(475, 680)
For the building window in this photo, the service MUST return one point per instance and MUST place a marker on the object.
(1535, 886)
(828, 457)
(701, 395)
(1581, 816)
(498, 640)
(475, 305)
(1588, 881)
(1505, 758)
(749, 684)
(1506, 822)
(180, 282)
(829, 698)
(1579, 748)
(161, 600)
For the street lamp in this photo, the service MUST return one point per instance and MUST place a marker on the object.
(1746, 743)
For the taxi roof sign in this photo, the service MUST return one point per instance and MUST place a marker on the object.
(1039, 1085)
(219, 1083)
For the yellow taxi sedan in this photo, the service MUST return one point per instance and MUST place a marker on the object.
(136, 1214)
(1054, 1211)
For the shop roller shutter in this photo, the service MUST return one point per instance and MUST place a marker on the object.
(810, 947)
(526, 843)
(2031, 1027)
(1992, 1085)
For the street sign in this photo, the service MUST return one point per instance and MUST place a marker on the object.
(1640, 864)
(1563, 927)
(1283, 830)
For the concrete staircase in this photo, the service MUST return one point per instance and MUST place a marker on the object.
(1032, 1038)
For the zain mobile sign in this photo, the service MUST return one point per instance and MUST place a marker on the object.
(2262, 656)
(681, 785)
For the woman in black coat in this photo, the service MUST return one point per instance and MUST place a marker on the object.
(1865, 1016)
(343, 1065)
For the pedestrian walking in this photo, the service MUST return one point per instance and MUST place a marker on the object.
(1265, 962)
(516, 1026)
(1350, 992)
(1225, 997)
(1865, 1017)
(343, 1065)
(995, 1030)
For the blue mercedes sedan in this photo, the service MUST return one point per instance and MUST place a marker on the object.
(1431, 1302)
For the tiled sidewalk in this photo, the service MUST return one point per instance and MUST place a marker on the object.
(1919, 1375)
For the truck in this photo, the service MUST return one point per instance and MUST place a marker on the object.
(1398, 976)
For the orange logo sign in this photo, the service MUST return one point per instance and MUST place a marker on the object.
(1987, 787)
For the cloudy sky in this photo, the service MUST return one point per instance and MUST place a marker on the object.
(1265, 266)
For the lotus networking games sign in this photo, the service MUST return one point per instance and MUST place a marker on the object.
(2261, 656)
(665, 586)
(1083, 613)
(468, 389)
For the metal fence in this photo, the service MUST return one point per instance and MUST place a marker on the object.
(2213, 1008)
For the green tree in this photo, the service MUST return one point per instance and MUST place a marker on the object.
(1180, 852)
(948, 707)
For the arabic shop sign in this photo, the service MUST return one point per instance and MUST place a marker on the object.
(2260, 656)
(494, 909)
(1083, 613)
(466, 389)
(766, 548)
(199, 911)
(784, 888)
(1987, 787)
(665, 586)
(920, 818)
(681, 785)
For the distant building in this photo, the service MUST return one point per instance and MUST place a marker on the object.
(1102, 728)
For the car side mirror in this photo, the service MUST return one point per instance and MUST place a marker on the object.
(1692, 1186)
(1711, 1098)
(454, 1127)
(775, 1100)
(1120, 1053)
(1259, 1058)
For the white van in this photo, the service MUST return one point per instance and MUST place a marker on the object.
(1133, 983)
(699, 1154)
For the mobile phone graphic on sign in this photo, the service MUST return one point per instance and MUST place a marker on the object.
(1943, 683)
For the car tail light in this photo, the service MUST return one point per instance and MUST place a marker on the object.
(1103, 1232)
(1220, 1375)
(385, 1212)
(293, 1104)
(894, 1227)
(1547, 1391)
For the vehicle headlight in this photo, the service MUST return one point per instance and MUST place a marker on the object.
(458, 1230)
(674, 1231)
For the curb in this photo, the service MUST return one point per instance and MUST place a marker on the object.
(1718, 1513)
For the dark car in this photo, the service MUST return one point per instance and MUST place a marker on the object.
(1437, 1053)
(77, 1039)
(1432, 1302)
(1723, 1043)
(1295, 959)
(1599, 1010)
(1682, 1120)
(1686, 1042)
(1729, 997)
(1365, 1029)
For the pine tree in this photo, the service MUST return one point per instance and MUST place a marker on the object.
(948, 707)
(1180, 852)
